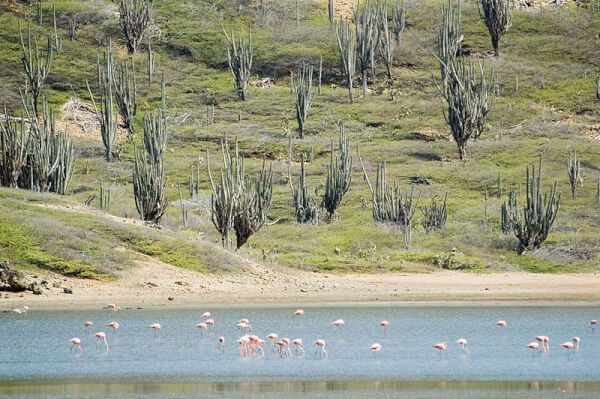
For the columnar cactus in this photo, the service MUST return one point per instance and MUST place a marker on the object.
(531, 223)
(155, 134)
(135, 17)
(125, 94)
(435, 215)
(398, 20)
(304, 96)
(468, 100)
(305, 206)
(386, 42)
(37, 67)
(449, 39)
(366, 19)
(574, 169)
(239, 56)
(497, 15)
(347, 47)
(13, 149)
(339, 176)
(149, 187)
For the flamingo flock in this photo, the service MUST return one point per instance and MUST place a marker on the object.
(252, 345)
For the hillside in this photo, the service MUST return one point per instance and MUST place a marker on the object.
(551, 52)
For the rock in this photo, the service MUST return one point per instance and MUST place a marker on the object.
(14, 279)
(56, 284)
(171, 298)
(67, 290)
(36, 290)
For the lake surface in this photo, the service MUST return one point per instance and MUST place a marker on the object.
(36, 360)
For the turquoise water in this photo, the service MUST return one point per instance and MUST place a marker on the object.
(180, 361)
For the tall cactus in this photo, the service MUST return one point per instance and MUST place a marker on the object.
(435, 215)
(305, 206)
(149, 187)
(155, 134)
(253, 205)
(239, 57)
(330, 14)
(468, 100)
(398, 20)
(386, 43)
(125, 94)
(347, 47)
(531, 223)
(135, 17)
(511, 203)
(574, 169)
(366, 19)
(37, 67)
(497, 15)
(339, 176)
(13, 149)
(449, 39)
(304, 96)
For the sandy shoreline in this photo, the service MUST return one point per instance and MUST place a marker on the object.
(152, 284)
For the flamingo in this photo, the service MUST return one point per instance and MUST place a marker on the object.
(384, 324)
(463, 342)
(568, 346)
(202, 326)
(286, 346)
(299, 312)
(113, 307)
(501, 323)
(210, 322)
(298, 343)
(101, 335)
(535, 346)
(542, 340)
(375, 347)
(243, 341)
(114, 326)
(258, 343)
(244, 324)
(441, 346)
(592, 326)
(156, 327)
(221, 343)
(576, 340)
(89, 323)
(338, 323)
(205, 315)
(22, 310)
(76, 344)
(273, 338)
(321, 344)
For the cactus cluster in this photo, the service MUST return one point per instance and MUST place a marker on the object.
(497, 15)
(531, 223)
(135, 17)
(13, 149)
(347, 47)
(435, 214)
(366, 20)
(574, 169)
(306, 208)
(239, 203)
(239, 57)
(339, 176)
(36, 65)
(304, 96)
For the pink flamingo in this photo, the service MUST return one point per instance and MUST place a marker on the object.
(501, 323)
(205, 315)
(22, 310)
(298, 343)
(273, 338)
(221, 343)
(202, 326)
(76, 344)
(286, 341)
(113, 307)
(576, 340)
(321, 344)
(89, 323)
(463, 342)
(114, 326)
(568, 346)
(156, 327)
(101, 335)
(441, 346)
(542, 340)
(535, 346)
(243, 341)
(210, 322)
(338, 323)
(375, 348)
(592, 326)
(245, 325)
(258, 343)
(384, 324)
(299, 312)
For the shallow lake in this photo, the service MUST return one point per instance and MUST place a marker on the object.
(36, 360)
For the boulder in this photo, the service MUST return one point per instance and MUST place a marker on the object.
(11, 279)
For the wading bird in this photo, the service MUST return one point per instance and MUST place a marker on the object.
(320, 344)
(156, 327)
(299, 312)
(576, 340)
(114, 326)
(592, 326)
(568, 346)
(535, 346)
(375, 347)
(441, 346)
(202, 327)
(221, 345)
(205, 315)
(89, 323)
(298, 343)
(76, 344)
(463, 342)
(101, 335)
(384, 324)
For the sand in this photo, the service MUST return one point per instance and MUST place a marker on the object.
(155, 284)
